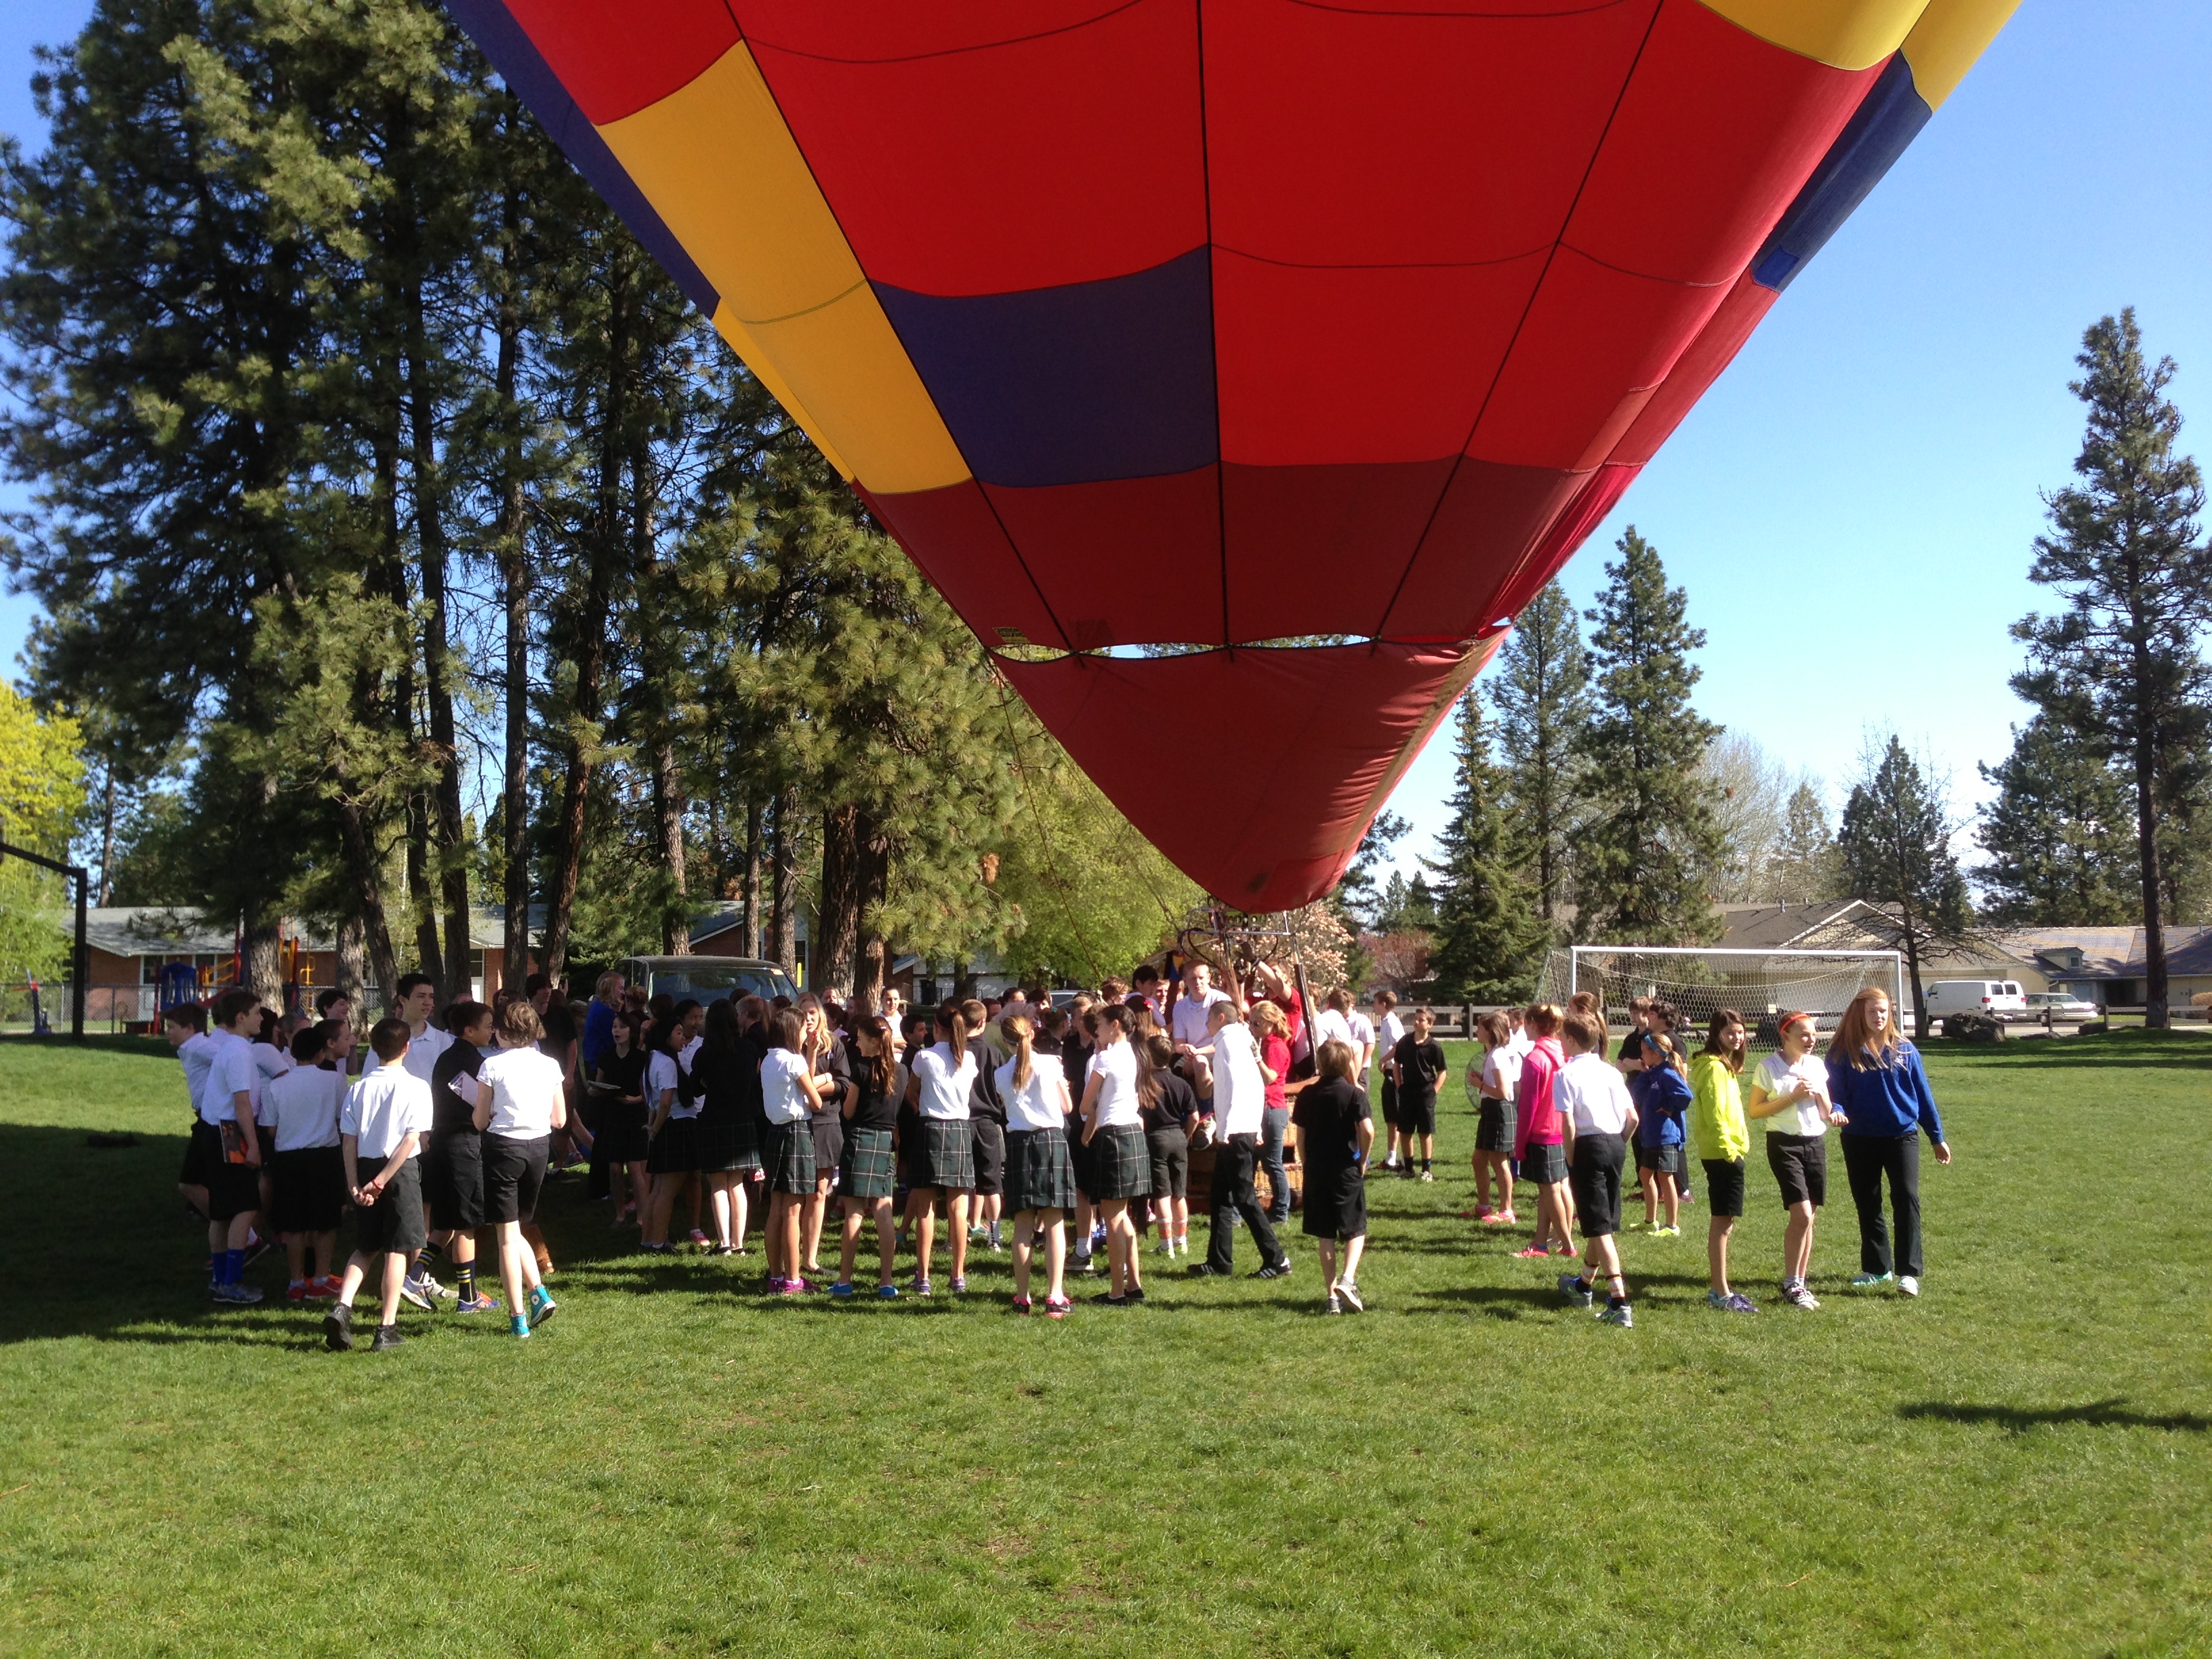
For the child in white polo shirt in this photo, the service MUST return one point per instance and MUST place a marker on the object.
(1597, 1117)
(379, 1130)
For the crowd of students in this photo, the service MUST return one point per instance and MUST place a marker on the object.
(1052, 1131)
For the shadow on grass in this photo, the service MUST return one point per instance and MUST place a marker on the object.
(2019, 1420)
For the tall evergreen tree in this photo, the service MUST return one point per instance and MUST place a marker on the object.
(1896, 845)
(2060, 837)
(1489, 940)
(2121, 665)
(1356, 895)
(1806, 864)
(1645, 860)
(1540, 689)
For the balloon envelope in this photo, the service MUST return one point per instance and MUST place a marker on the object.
(1307, 340)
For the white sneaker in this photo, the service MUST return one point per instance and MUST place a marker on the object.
(417, 1292)
(1908, 1284)
(1163, 1248)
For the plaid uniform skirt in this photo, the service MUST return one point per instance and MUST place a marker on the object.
(870, 1169)
(1040, 1174)
(946, 1156)
(788, 1156)
(727, 1142)
(1120, 1163)
(675, 1147)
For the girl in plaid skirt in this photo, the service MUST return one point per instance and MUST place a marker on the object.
(790, 1095)
(1040, 1179)
(945, 1074)
(869, 1171)
(1120, 1163)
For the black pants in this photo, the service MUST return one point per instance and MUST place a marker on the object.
(1866, 1159)
(1232, 1191)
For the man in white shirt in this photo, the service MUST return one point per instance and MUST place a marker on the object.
(1189, 1020)
(1240, 1098)
(416, 1002)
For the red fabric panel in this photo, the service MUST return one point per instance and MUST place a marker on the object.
(1602, 492)
(1267, 816)
(1713, 352)
(1336, 137)
(1320, 368)
(1491, 517)
(615, 56)
(1069, 153)
(1714, 135)
(1129, 562)
(1313, 550)
(1597, 341)
(952, 534)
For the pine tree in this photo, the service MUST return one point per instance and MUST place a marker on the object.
(1356, 896)
(1489, 940)
(2121, 665)
(1806, 864)
(2059, 836)
(1644, 862)
(1896, 845)
(1540, 689)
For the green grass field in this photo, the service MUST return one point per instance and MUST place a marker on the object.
(2018, 1462)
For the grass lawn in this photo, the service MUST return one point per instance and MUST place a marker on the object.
(2021, 1461)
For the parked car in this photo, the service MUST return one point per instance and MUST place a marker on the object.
(1999, 998)
(2061, 1005)
(705, 978)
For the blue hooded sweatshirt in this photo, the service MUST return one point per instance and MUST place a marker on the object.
(1885, 1100)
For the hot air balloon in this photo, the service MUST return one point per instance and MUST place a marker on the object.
(1301, 342)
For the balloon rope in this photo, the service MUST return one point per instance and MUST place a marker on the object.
(1051, 858)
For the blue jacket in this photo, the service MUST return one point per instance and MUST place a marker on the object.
(1885, 1100)
(1661, 1097)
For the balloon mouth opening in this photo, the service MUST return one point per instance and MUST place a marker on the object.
(1014, 644)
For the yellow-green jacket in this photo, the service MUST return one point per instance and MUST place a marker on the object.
(1716, 1122)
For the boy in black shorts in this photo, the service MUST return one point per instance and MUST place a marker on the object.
(1335, 1131)
(385, 1119)
(1417, 1066)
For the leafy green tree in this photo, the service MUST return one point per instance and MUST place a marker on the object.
(2059, 835)
(1651, 841)
(41, 792)
(1540, 691)
(1896, 846)
(2122, 665)
(1489, 940)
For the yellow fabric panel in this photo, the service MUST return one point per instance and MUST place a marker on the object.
(1851, 34)
(749, 349)
(1949, 37)
(720, 168)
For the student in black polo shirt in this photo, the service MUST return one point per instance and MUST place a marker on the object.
(1416, 1065)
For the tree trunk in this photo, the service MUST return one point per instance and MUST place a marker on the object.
(264, 961)
(753, 889)
(783, 887)
(874, 967)
(668, 803)
(2147, 849)
(590, 645)
(963, 980)
(352, 954)
(449, 830)
(358, 846)
(422, 896)
(514, 594)
(108, 835)
(837, 917)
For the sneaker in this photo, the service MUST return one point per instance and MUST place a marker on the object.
(1164, 1248)
(1795, 1293)
(1106, 1298)
(388, 1336)
(476, 1305)
(979, 1234)
(1348, 1294)
(1908, 1284)
(1739, 1303)
(1058, 1306)
(338, 1327)
(842, 1290)
(1532, 1253)
(1500, 1218)
(296, 1291)
(417, 1293)
(696, 1236)
(1666, 1232)
(324, 1289)
(795, 1287)
(238, 1295)
(1617, 1313)
(518, 1327)
(1205, 1270)
(1275, 1270)
(1871, 1282)
(960, 1284)
(1573, 1288)
(434, 1288)
(1332, 1306)
(887, 1292)
(257, 1247)
(1081, 1262)
(773, 1284)
(542, 1307)
(920, 1288)
(1021, 1304)
(1429, 1175)
(1137, 1295)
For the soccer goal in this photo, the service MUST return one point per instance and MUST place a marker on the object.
(1760, 985)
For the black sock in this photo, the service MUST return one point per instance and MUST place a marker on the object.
(1424, 1166)
(466, 1274)
(423, 1258)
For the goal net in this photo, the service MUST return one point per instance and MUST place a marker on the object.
(1760, 985)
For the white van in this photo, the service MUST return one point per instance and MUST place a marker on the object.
(1999, 998)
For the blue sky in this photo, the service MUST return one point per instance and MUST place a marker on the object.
(1851, 507)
